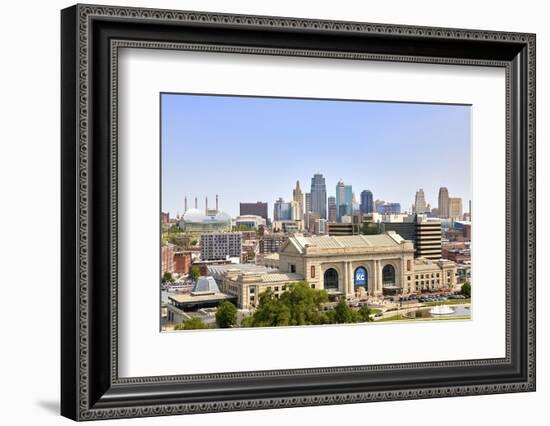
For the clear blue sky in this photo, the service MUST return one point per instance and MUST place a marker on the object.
(254, 149)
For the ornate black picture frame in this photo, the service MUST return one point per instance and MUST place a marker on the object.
(91, 387)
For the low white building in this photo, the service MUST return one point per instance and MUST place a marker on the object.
(249, 220)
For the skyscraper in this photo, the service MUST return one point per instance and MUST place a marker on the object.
(282, 210)
(443, 202)
(298, 197)
(425, 235)
(455, 208)
(308, 202)
(319, 195)
(295, 211)
(367, 204)
(344, 200)
(388, 208)
(420, 202)
(332, 216)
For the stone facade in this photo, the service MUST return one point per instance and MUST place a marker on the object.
(387, 259)
(385, 263)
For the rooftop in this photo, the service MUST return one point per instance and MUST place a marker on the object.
(423, 264)
(242, 268)
(389, 239)
(194, 298)
(281, 277)
(198, 216)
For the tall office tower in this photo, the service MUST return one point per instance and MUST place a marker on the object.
(295, 211)
(344, 200)
(319, 195)
(367, 205)
(455, 208)
(308, 202)
(425, 235)
(310, 219)
(420, 202)
(428, 239)
(332, 215)
(443, 202)
(355, 206)
(389, 208)
(255, 209)
(282, 210)
(298, 197)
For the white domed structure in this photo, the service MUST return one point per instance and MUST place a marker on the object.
(222, 217)
(193, 216)
(194, 220)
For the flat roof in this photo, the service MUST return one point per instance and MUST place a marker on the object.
(239, 267)
(281, 277)
(390, 239)
(197, 297)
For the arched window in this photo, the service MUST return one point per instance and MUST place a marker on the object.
(361, 277)
(388, 275)
(330, 279)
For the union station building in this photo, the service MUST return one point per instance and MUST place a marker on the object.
(381, 264)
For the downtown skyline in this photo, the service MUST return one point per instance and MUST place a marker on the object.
(390, 149)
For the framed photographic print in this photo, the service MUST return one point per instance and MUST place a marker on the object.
(263, 212)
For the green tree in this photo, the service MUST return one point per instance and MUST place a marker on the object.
(304, 304)
(364, 314)
(167, 277)
(466, 289)
(195, 272)
(327, 317)
(193, 323)
(247, 322)
(226, 315)
(299, 305)
(343, 314)
(270, 312)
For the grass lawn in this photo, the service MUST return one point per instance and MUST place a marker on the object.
(403, 318)
(392, 318)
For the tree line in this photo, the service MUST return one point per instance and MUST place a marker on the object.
(299, 305)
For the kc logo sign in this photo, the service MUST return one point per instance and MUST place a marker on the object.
(360, 276)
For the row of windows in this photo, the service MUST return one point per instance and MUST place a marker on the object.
(428, 282)
(422, 276)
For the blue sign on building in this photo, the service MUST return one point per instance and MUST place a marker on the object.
(360, 276)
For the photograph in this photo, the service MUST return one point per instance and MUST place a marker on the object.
(281, 212)
(298, 189)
